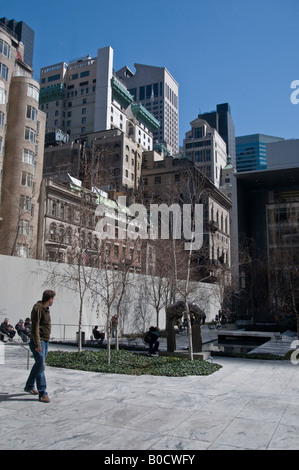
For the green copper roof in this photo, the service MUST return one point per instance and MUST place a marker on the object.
(51, 93)
(144, 116)
(120, 93)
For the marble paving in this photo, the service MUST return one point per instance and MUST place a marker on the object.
(247, 404)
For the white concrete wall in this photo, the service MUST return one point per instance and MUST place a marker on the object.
(22, 282)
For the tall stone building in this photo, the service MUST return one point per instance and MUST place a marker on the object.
(22, 129)
(89, 103)
(157, 90)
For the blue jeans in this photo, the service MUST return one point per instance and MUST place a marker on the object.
(37, 372)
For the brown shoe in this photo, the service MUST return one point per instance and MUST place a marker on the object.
(44, 399)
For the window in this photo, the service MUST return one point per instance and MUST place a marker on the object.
(33, 92)
(4, 71)
(26, 179)
(31, 113)
(198, 156)
(25, 228)
(84, 74)
(157, 179)
(2, 116)
(197, 132)
(4, 48)
(52, 78)
(148, 91)
(28, 157)
(142, 93)
(23, 251)
(52, 232)
(29, 134)
(83, 110)
(3, 96)
(25, 203)
(68, 237)
(53, 208)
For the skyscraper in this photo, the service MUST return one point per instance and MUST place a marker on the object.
(24, 34)
(206, 148)
(251, 151)
(158, 92)
(88, 101)
(222, 121)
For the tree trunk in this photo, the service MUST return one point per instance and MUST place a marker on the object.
(190, 343)
(80, 326)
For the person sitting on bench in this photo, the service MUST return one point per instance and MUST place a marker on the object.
(151, 338)
(22, 331)
(98, 335)
(7, 329)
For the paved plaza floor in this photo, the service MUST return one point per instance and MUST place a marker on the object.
(247, 404)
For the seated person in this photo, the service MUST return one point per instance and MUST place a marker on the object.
(22, 331)
(98, 335)
(151, 337)
(7, 328)
(27, 325)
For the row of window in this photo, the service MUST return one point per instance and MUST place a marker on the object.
(88, 240)
(73, 94)
(223, 224)
(32, 93)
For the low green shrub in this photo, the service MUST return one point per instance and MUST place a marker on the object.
(261, 356)
(125, 362)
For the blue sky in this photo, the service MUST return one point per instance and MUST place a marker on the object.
(241, 52)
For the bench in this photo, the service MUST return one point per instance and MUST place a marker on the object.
(18, 343)
(132, 341)
(278, 337)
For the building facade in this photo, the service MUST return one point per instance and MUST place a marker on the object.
(251, 151)
(68, 230)
(86, 96)
(157, 90)
(222, 121)
(24, 34)
(268, 214)
(22, 129)
(89, 103)
(179, 180)
(204, 146)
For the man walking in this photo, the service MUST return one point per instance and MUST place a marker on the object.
(39, 339)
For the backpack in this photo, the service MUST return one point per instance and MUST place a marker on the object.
(147, 337)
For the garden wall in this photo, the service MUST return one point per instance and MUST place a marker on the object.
(22, 282)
